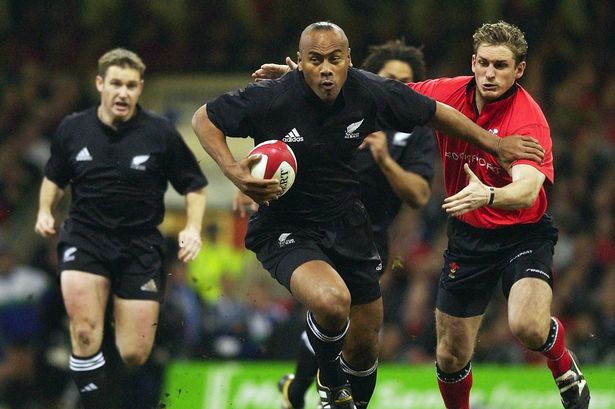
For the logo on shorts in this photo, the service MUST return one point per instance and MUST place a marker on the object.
(69, 254)
(452, 269)
(283, 240)
(90, 387)
(150, 286)
(138, 162)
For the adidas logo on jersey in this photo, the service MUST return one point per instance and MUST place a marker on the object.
(150, 286)
(83, 155)
(90, 387)
(350, 130)
(293, 136)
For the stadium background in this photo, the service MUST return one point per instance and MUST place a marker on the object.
(227, 330)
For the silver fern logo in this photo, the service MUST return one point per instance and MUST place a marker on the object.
(350, 130)
(138, 162)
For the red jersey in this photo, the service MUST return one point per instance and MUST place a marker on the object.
(515, 113)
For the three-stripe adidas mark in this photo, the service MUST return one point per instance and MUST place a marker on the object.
(293, 136)
(90, 387)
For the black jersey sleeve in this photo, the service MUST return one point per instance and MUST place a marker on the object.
(419, 155)
(58, 168)
(183, 169)
(237, 113)
(400, 107)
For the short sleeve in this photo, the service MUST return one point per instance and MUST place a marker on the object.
(58, 168)
(235, 113)
(183, 169)
(404, 108)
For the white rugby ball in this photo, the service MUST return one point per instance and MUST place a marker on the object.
(277, 162)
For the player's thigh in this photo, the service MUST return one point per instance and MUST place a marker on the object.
(456, 336)
(85, 295)
(135, 325)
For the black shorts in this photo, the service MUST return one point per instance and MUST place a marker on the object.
(131, 260)
(476, 260)
(346, 244)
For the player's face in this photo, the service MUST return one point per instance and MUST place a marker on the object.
(397, 70)
(120, 90)
(324, 58)
(495, 71)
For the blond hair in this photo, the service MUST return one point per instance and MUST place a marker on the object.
(502, 33)
(120, 57)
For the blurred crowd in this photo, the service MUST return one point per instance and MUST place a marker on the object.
(223, 305)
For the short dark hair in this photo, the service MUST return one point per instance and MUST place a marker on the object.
(120, 57)
(396, 50)
(502, 33)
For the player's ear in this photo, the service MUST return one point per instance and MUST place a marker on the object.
(99, 83)
(299, 62)
(520, 69)
(349, 58)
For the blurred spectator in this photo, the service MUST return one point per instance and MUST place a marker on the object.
(22, 290)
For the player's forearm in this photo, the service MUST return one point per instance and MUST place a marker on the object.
(195, 208)
(49, 196)
(212, 139)
(411, 188)
(522, 192)
(453, 123)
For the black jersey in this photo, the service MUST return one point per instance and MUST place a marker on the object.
(119, 178)
(323, 137)
(414, 152)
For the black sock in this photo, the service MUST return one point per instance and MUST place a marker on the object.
(362, 383)
(327, 348)
(305, 372)
(91, 380)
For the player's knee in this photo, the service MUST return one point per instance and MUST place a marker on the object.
(134, 358)
(527, 333)
(450, 359)
(85, 335)
(135, 355)
(332, 306)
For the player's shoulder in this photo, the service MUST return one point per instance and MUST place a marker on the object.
(156, 119)
(77, 120)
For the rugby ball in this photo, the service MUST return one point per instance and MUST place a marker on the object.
(277, 162)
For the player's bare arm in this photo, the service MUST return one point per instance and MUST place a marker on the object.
(520, 194)
(214, 142)
(50, 194)
(453, 123)
(413, 189)
(189, 239)
(272, 71)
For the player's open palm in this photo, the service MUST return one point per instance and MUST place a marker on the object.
(471, 197)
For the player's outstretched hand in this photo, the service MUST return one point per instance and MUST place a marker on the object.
(377, 143)
(241, 202)
(514, 147)
(45, 224)
(471, 197)
(272, 71)
(189, 241)
(260, 190)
